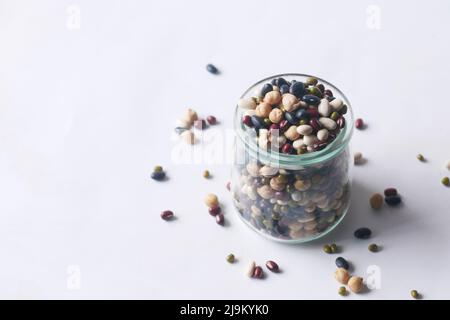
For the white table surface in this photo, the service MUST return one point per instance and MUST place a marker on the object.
(85, 114)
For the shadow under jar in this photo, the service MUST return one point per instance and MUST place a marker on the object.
(288, 194)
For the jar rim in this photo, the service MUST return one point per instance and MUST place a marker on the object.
(289, 160)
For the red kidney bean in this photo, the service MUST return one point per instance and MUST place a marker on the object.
(258, 273)
(328, 92)
(220, 219)
(341, 122)
(166, 215)
(389, 192)
(284, 124)
(315, 124)
(359, 123)
(211, 120)
(313, 113)
(274, 127)
(247, 120)
(272, 266)
(287, 148)
(214, 211)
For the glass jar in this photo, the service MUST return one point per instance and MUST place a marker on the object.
(288, 197)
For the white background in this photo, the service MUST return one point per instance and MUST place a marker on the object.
(85, 114)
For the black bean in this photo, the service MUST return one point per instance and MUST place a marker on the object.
(281, 82)
(393, 200)
(212, 68)
(291, 118)
(362, 233)
(258, 122)
(266, 88)
(284, 89)
(297, 89)
(311, 99)
(342, 263)
(302, 114)
(158, 175)
(274, 81)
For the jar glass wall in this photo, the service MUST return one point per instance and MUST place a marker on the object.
(287, 197)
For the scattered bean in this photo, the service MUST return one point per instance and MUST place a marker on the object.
(393, 200)
(342, 263)
(358, 158)
(415, 294)
(420, 157)
(327, 249)
(258, 273)
(158, 175)
(388, 192)
(189, 117)
(212, 69)
(342, 291)
(362, 233)
(167, 215)
(211, 120)
(157, 169)
(230, 258)
(334, 248)
(373, 247)
(272, 266)
(200, 124)
(359, 123)
(355, 284)
(211, 201)
(251, 269)
(342, 275)
(445, 181)
(206, 174)
(376, 201)
(214, 211)
(188, 137)
(220, 219)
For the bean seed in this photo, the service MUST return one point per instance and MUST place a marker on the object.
(327, 249)
(334, 248)
(359, 123)
(311, 99)
(373, 247)
(211, 120)
(328, 123)
(247, 120)
(265, 89)
(284, 89)
(292, 133)
(310, 140)
(272, 97)
(376, 201)
(251, 269)
(355, 284)
(263, 110)
(420, 157)
(167, 215)
(311, 81)
(290, 102)
(324, 108)
(272, 266)
(291, 118)
(200, 124)
(357, 158)
(214, 211)
(388, 192)
(342, 275)
(190, 116)
(220, 220)
(322, 134)
(258, 122)
(276, 115)
(188, 137)
(158, 175)
(342, 263)
(297, 89)
(315, 124)
(304, 130)
(393, 200)
(336, 104)
(341, 122)
(212, 69)
(258, 273)
(230, 258)
(415, 294)
(334, 116)
(362, 233)
(445, 181)
(157, 169)
(211, 201)
(302, 114)
(342, 291)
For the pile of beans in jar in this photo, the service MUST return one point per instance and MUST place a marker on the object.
(294, 117)
(300, 202)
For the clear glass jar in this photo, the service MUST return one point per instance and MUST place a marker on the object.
(314, 194)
